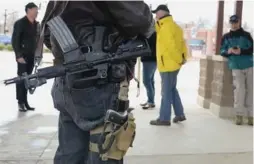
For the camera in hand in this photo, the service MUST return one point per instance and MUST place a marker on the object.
(235, 48)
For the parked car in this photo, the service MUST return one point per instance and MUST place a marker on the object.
(5, 39)
(196, 44)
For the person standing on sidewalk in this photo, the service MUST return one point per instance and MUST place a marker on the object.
(171, 55)
(24, 37)
(149, 68)
(237, 46)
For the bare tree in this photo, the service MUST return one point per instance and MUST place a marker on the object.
(9, 20)
(12, 18)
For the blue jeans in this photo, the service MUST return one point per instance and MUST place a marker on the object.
(170, 96)
(77, 118)
(149, 69)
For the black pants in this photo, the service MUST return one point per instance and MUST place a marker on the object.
(21, 91)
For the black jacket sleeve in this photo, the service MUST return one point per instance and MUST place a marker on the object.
(248, 51)
(152, 44)
(16, 38)
(132, 17)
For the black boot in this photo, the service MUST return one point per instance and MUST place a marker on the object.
(21, 107)
(158, 122)
(28, 106)
(179, 119)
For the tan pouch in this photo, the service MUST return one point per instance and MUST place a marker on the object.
(114, 152)
(123, 140)
(126, 135)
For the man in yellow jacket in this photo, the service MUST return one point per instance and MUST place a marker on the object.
(171, 54)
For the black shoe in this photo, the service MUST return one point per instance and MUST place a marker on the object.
(21, 107)
(28, 107)
(160, 123)
(179, 119)
(143, 104)
(148, 106)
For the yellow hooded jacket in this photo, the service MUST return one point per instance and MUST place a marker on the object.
(171, 50)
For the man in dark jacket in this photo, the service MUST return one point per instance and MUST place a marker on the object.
(237, 47)
(149, 68)
(24, 43)
(82, 110)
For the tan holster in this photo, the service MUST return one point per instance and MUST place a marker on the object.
(123, 139)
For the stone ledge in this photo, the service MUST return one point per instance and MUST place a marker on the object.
(220, 111)
(219, 58)
(214, 57)
(205, 103)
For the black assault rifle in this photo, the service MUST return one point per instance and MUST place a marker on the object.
(76, 62)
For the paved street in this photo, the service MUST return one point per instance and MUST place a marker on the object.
(31, 138)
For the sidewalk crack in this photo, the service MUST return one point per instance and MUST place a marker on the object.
(51, 139)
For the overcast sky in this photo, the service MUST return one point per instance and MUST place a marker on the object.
(182, 10)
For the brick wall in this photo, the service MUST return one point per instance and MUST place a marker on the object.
(215, 86)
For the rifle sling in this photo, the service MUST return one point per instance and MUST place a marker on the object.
(39, 47)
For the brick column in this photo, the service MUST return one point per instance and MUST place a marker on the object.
(216, 86)
(222, 89)
(239, 9)
(205, 82)
(220, 19)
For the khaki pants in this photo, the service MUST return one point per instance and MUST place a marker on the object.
(243, 92)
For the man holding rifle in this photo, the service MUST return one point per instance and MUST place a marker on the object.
(95, 45)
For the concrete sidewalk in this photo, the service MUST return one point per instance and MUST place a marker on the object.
(31, 138)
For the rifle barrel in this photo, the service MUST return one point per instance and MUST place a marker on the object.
(12, 80)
